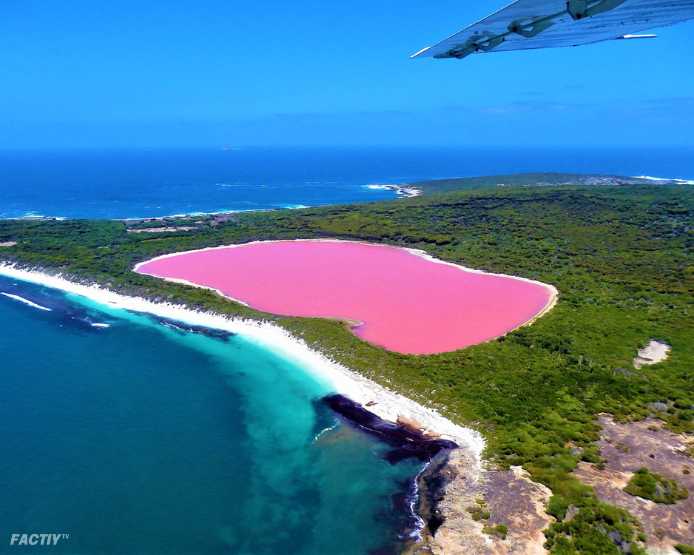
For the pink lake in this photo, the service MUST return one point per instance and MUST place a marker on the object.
(402, 301)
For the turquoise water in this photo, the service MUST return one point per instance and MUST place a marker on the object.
(140, 438)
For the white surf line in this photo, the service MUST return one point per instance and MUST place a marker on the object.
(402, 191)
(384, 403)
(25, 301)
(676, 180)
(324, 431)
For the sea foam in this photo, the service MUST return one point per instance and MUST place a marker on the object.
(676, 180)
(25, 301)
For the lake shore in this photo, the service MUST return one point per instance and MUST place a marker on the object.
(383, 290)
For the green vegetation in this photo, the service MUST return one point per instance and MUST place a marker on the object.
(525, 180)
(621, 258)
(500, 531)
(686, 549)
(655, 487)
(479, 511)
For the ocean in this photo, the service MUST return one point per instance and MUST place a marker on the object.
(134, 435)
(149, 183)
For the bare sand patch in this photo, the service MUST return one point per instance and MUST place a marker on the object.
(168, 229)
(653, 353)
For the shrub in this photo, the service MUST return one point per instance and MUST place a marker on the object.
(655, 487)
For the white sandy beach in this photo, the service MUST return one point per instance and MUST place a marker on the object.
(383, 402)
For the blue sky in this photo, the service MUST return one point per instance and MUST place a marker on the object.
(213, 73)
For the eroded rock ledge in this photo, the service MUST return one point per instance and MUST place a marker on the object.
(405, 438)
(500, 512)
(628, 446)
(465, 509)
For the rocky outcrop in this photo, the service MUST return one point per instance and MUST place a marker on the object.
(626, 447)
(472, 511)
(406, 441)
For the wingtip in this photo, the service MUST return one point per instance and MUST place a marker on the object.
(631, 37)
(419, 52)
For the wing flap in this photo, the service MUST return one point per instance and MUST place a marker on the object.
(529, 24)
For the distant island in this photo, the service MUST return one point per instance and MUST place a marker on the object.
(548, 179)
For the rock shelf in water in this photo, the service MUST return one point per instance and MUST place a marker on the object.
(404, 441)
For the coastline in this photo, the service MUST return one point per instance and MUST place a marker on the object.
(402, 191)
(394, 410)
(506, 376)
(430, 510)
(415, 188)
(456, 478)
(660, 180)
(384, 403)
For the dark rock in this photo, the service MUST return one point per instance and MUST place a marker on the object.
(191, 328)
(616, 537)
(658, 406)
(571, 513)
(406, 443)
(432, 490)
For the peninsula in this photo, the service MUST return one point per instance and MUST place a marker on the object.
(544, 396)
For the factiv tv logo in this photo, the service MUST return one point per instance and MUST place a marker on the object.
(33, 539)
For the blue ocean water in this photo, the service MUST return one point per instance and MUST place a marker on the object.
(141, 438)
(148, 183)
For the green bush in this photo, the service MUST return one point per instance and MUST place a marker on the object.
(500, 531)
(655, 487)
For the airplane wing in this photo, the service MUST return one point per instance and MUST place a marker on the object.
(527, 24)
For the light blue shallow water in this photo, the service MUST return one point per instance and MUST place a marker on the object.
(125, 184)
(140, 438)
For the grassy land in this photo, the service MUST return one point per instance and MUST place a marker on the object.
(655, 487)
(621, 258)
(526, 180)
